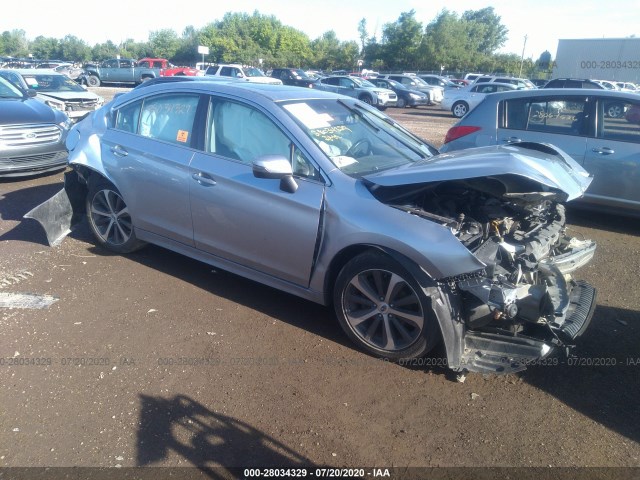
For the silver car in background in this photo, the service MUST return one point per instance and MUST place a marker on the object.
(323, 196)
(32, 134)
(461, 101)
(56, 90)
(599, 129)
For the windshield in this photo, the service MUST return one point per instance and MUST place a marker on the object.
(397, 85)
(52, 83)
(300, 74)
(8, 90)
(252, 72)
(357, 138)
(361, 82)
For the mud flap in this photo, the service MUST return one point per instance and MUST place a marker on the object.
(62, 212)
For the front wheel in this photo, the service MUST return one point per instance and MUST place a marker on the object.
(382, 308)
(401, 103)
(109, 218)
(366, 99)
(93, 81)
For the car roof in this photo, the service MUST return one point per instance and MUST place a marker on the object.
(546, 92)
(500, 84)
(248, 90)
(36, 71)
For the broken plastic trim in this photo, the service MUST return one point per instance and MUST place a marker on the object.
(58, 215)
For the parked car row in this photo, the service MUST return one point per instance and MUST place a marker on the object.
(56, 90)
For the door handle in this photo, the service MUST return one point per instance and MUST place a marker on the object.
(603, 150)
(512, 140)
(203, 179)
(119, 151)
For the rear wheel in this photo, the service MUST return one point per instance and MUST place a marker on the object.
(382, 308)
(109, 218)
(460, 109)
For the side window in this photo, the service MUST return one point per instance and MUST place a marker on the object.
(110, 64)
(126, 64)
(127, 117)
(169, 118)
(620, 120)
(243, 133)
(144, 64)
(561, 115)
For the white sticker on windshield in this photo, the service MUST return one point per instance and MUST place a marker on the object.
(308, 116)
(342, 161)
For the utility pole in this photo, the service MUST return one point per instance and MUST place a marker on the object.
(522, 57)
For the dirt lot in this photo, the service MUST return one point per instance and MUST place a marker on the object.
(153, 359)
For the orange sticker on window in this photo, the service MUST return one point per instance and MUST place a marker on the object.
(182, 136)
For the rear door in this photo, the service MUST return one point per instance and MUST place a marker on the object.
(613, 154)
(147, 153)
(561, 120)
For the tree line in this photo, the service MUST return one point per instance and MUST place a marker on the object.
(450, 43)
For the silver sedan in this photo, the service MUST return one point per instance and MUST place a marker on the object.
(323, 196)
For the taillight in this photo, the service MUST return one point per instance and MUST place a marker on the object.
(460, 131)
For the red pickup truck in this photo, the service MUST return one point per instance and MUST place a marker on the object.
(167, 69)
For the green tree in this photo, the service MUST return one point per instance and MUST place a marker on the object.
(45, 48)
(15, 43)
(187, 52)
(447, 43)
(402, 40)
(485, 26)
(74, 49)
(164, 43)
(104, 51)
(362, 31)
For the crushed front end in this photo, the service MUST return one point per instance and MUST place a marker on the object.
(524, 304)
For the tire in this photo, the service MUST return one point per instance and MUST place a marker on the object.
(93, 81)
(460, 109)
(364, 298)
(401, 103)
(614, 110)
(366, 99)
(109, 218)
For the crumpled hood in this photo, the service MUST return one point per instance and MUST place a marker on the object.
(552, 169)
(67, 96)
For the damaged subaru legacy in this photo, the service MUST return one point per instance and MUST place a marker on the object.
(325, 197)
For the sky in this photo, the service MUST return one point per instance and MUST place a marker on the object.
(543, 22)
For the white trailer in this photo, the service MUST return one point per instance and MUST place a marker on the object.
(598, 58)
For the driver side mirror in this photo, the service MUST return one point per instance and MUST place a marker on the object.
(275, 167)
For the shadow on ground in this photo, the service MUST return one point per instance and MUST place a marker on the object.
(211, 441)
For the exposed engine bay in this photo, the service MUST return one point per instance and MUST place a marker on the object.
(526, 288)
